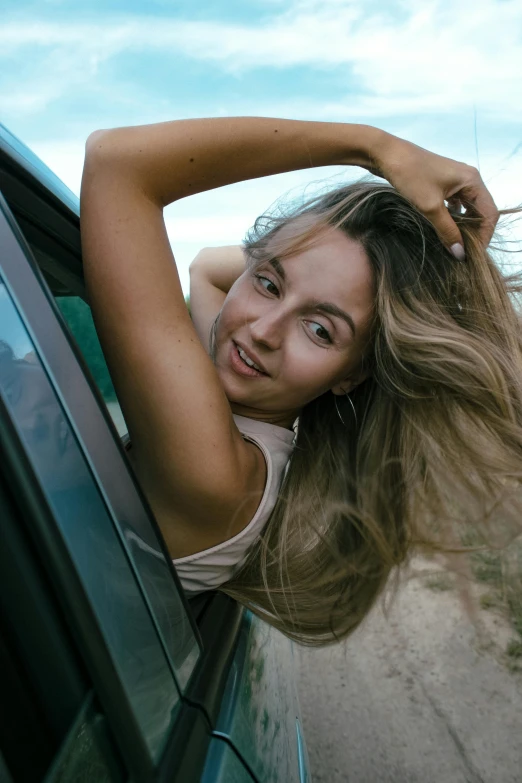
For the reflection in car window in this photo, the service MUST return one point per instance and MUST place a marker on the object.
(83, 758)
(79, 320)
(152, 570)
(87, 530)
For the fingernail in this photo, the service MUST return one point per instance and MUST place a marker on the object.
(458, 251)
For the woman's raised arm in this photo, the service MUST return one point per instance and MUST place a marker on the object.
(176, 159)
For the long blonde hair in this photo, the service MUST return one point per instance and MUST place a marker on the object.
(436, 449)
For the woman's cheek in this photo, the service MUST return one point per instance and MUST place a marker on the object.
(325, 368)
(309, 374)
(234, 313)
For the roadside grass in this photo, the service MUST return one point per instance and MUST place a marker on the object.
(501, 571)
(514, 648)
(487, 567)
(440, 582)
(490, 601)
(514, 655)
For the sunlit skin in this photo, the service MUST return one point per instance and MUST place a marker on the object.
(305, 352)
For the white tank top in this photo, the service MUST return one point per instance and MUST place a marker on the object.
(209, 569)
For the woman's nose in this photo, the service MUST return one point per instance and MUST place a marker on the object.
(267, 330)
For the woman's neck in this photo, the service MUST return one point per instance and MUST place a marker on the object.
(284, 419)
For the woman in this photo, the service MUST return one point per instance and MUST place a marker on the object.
(356, 317)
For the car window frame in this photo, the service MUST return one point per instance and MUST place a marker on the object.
(81, 398)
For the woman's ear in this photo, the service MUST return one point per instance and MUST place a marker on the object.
(350, 382)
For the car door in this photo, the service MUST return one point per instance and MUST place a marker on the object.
(201, 691)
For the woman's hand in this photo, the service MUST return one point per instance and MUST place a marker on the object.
(428, 180)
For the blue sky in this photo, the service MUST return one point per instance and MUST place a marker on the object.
(447, 76)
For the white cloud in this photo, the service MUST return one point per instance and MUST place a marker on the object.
(209, 229)
(432, 56)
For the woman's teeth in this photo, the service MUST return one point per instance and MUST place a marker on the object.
(248, 361)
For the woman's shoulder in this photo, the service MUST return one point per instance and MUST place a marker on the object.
(267, 447)
(211, 566)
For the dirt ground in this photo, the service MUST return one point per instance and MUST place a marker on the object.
(419, 697)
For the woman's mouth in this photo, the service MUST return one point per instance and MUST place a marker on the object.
(243, 364)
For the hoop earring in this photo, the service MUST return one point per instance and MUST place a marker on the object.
(339, 412)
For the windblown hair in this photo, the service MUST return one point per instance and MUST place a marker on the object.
(433, 460)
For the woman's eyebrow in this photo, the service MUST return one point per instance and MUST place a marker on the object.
(278, 268)
(330, 309)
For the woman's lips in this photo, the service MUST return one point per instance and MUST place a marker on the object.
(241, 367)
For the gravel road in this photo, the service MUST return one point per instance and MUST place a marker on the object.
(415, 698)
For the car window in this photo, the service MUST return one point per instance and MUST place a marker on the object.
(85, 755)
(78, 317)
(141, 538)
(88, 531)
(43, 683)
(49, 727)
(173, 620)
(5, 777)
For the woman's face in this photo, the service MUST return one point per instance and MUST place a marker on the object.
(304, 320)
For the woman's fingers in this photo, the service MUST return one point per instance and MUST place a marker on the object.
(469, 190)
(477, 201)
(480, 200)
(447, 230)
(431, 181)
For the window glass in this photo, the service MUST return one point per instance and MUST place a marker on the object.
(79, 319)
(88, 531)
(152, 571)
(5, 777)
(83, 758)
(139, 537)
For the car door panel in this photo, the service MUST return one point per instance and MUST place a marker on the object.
(223, 765)
(259, 709)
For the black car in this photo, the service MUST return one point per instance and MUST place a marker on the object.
(107, 671)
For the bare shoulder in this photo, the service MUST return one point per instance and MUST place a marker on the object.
(217, 519)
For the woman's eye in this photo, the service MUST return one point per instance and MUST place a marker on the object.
(269, 284)
(321, 332)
